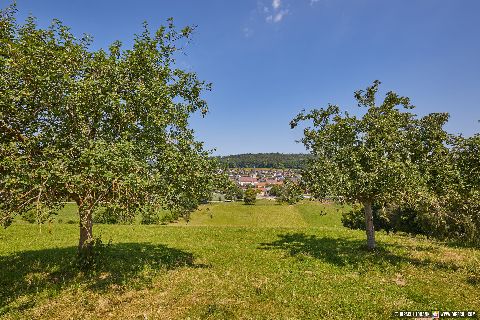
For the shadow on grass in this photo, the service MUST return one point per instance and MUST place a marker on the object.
(52, 270)
(345, 252)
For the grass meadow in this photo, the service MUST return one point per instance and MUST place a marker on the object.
(232, 261)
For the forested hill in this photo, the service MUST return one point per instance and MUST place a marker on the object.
(265, 160)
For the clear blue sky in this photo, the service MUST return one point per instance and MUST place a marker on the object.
(269, 59)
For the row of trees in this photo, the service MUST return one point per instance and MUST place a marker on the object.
(396, 162)
(289, 193)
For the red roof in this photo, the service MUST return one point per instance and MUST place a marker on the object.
(273, 181)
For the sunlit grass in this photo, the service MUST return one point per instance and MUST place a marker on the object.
(260, 266)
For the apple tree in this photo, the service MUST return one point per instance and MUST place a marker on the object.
(375, 158)
(104, 128)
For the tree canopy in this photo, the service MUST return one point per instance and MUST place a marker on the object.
(102, 127)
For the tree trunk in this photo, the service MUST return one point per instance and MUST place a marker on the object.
(369, 225)
(86, 228)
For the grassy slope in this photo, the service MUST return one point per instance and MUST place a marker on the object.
(266, 213)
(271, 262)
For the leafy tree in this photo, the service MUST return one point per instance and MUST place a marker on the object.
(227, 188)
(375, 158)
(250, 196)
(452, 208)
(275, 190)
(104, 128)
(233, 192)
(290, 193)
(456, 214)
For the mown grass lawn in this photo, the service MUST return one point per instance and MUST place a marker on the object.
(233, 261)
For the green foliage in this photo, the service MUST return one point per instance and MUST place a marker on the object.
(155, 215)
(388, 218)
(290, 193)
(107, 216)
(169, 217)
(454, 210)
(250, 196)
(449, 207)
(112, 215)
(355, 218)
(37, 216)
(104, 128)
(229, 188)
(465, 204)
(265, 160)
(275, 190)
(150, 216)
(217, 197)
(368, 158)
(235, 194)
(382, 157)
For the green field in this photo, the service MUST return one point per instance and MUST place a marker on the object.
(230, 261)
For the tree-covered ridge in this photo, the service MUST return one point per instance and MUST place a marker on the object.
(265, 160)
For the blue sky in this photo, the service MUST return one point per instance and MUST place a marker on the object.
(269, 59)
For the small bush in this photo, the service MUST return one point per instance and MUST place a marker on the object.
(149, 216)
(170, 217)
(250, 196)
(354, 218)
(388, 218)
(107, 216)
(112, 216)
(290, 193)
(39, 216)
(217, 197)
(29, 217)
(275, 190)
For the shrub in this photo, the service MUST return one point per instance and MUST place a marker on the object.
(29, 217)
(170, 217)
(290, 193)
(388, 218)
(37, 216)
(250, 196)
(354, 218)
(112, 216)
(275, 190)
(149, 215)
(234, 193)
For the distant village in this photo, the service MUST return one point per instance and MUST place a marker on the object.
(262, 179)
